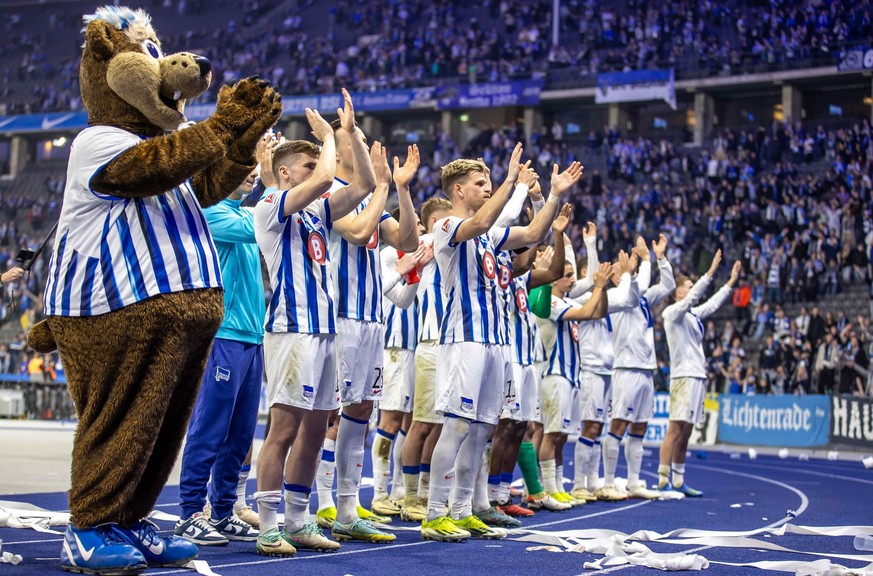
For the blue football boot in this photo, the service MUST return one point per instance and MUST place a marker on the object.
(100, 550)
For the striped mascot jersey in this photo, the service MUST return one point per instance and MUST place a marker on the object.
(524, 331)
(431, 305)
(297, 255)
(356, 272)
(401, 326)
(470, 274)
(112, 252)
(564, 355)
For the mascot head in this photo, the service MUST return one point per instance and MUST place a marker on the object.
(127, 81)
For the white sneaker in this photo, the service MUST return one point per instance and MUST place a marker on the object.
(640, 491)
(610, 493)
(546, 502)
(200, 531)
(235, 529)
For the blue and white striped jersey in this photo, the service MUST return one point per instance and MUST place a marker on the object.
(504, 289)
(401, 326)
(431, 305)
(470, 275)
(356, 272)
(524, 330)
(564, 355)
(298, 258)
(112, 252)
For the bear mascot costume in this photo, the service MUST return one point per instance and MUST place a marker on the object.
(134, 294)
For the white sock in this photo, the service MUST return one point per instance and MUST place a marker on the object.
(381, 453)
(505, 483)
(559, 477)
(349, 466)
(241, 489)
(582, 455)
(594, 466)
(481, 490)
(398, 490)
(424, 480)
(268, 504)
(455, 431)
(296, 506)
(548, 469)
(468, 463)
(633, 453)
(610, 457)
(410, 484)
(325, 475)
(678, 474)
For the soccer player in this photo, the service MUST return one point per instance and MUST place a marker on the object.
(523, 401)
(470, 372)
(300, 362)
(357, 282)
(400, 276)
(595, 364)
(559, 388)
(426, 423)
(223, 424)
(683, 325)
(633, 390)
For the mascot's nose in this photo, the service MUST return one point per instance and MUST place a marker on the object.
(204, 64)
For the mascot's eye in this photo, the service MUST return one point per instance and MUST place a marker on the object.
(152, 49)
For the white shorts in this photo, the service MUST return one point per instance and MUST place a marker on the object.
(558, 398)
(301, 370)
(526, 387)
(359, 348)
(633, 395)
(470, 381)
(686, 399)
(399, 380)
(594, 395)
(424, 398)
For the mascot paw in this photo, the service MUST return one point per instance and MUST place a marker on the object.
(250, 105)
(41, 339)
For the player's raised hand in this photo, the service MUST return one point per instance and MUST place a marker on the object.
(660, 247)
(347, 113)
(563, 220)
(716, 262)
(264, 157)
(404, 174)
(379, 159)
(563, 181)
(735, 272)
(590, 231)
(515, 163)
(641, 250)
(544, 258)
(527, 175)
(603, 274)
(320, 127)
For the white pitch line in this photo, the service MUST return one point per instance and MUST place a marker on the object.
(812, 473)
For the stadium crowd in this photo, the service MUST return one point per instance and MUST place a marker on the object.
(373, 45)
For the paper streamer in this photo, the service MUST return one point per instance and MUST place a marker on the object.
(23, 515)
(618, 548)
(201, 567)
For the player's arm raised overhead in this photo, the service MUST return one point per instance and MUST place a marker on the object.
(589, 236)
(539, 277)
(695, 293)
(524, 187)
(626, 294)
(346, 199)
(323, 169)
(486, 216)
(714, 303)
(667, 283)
(358, 228)
(403, 235)
(594, 308)
(534, 232)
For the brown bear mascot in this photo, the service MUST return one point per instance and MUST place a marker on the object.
(134, 296)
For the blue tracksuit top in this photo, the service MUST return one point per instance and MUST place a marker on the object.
(233, 232)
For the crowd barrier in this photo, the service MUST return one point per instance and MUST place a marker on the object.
(813, 421)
